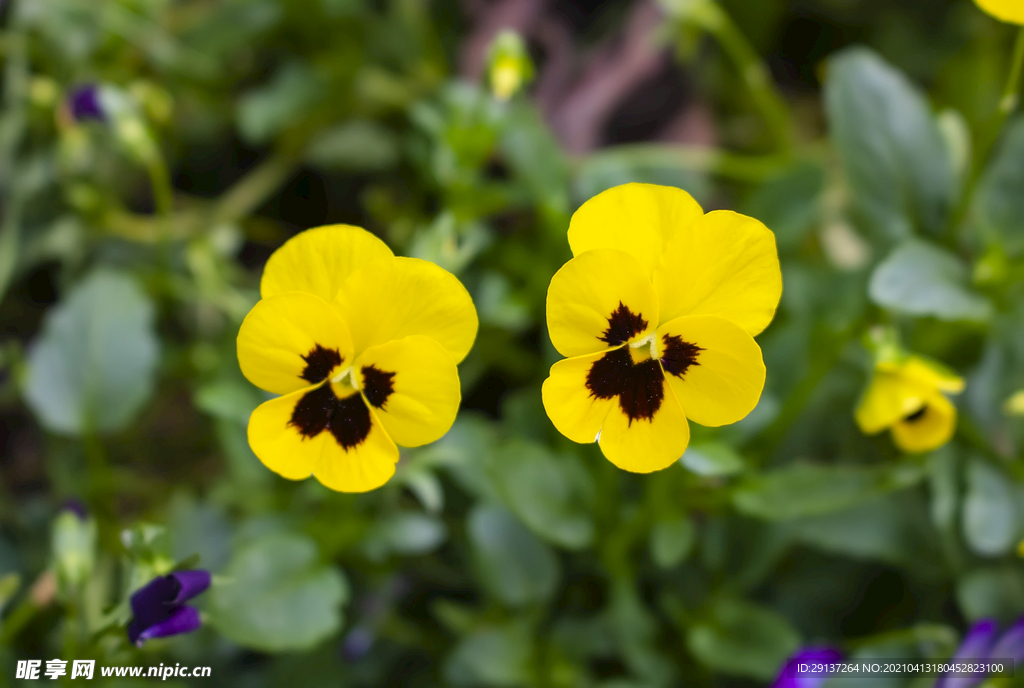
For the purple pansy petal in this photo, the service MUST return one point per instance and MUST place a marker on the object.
(977, 644)
(808, 655)
(84, 102)
(1011, 644)
(191, 584)
(76, 507)
(152, 602)
(184, 620)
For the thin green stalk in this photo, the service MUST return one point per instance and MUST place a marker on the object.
(1012, 89)
(16, 75)
(254, 188)
(716, 21)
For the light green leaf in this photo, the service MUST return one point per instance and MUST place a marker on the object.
(405, 534)
(999, 199)
(357, 145)
(742, 639)
(892, 151)
(275, 596)
(712, 458)
(671, 541)
(492, 656)
(93, 366)
(989, 514)
(808, 489)
(266, 111)
(513, 564)
(996, 592)
(919, 278)
(551, 494)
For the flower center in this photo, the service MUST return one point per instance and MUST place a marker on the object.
(338, 407)
(916, 415)
(636, 373)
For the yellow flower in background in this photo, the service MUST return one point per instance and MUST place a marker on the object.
(656, 314)
(363, 348)
(1011, 11)
(907, 397)
(509, 65)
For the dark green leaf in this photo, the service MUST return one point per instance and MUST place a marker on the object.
(513, 564)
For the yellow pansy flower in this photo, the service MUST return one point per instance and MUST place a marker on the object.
(657, 314)
(906, 397)
(1011, 11)
(363, 348)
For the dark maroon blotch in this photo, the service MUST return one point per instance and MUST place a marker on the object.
(640, 387)
(623, 325)
(320, 361)
(378, 385)
(348, 419)
(677, 356)
(916, 415)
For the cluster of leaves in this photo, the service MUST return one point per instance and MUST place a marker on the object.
(503, 555)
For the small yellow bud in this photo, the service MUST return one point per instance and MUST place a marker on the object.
(510, 67)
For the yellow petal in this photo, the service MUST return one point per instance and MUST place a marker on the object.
(401, 297)
(573, 410)
(292, 340)
(412, 385)
(726, 264)
(319, 260)
(889, 398)
(1011, 11)
(931, 374)
(313, 432)
(714, 367)
(597, 300)
(646, 445)
(929, 428)
(635, 218)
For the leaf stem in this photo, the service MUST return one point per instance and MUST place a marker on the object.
(1010, 98)
(752, 70)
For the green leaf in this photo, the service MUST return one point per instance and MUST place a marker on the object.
(357, 145)
(551, 494)
(648, 164)
(921, 279)
(789, 203)
(999, 198)
(514, 566)
(891, 148)
(712, 458)
(405, 534)
(809, 489)
(492, 656)
(275, 596)
(989, 514)
(742, 639)
(266, 111)
(93, 366)
(996, 592)
(892, 528)
(671, 541)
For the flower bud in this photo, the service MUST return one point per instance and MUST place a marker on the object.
(509, 65)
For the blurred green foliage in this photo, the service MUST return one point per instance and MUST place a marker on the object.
(503, 555)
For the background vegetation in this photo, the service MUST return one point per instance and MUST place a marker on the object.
(867, 134)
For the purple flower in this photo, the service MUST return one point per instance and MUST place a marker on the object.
(159, 608)
(84, 103)
(75, 506)
(790, 676)
(983, 642)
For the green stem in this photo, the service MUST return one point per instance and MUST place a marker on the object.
(716, 21)
(16, 75)
(1010, 92)
(254, 188)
